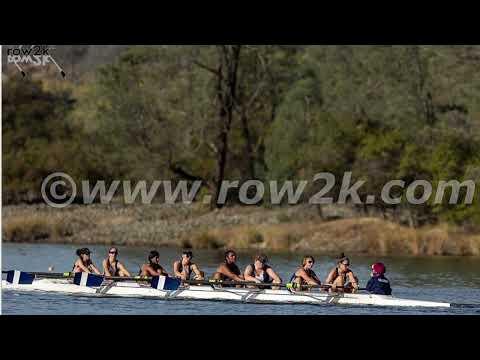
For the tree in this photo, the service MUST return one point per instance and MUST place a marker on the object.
(38, 138)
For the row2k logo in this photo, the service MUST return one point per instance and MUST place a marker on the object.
(36, 55)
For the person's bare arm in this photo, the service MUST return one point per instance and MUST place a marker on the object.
(274, 276)
(162, 272)
(226, 272)
(197, 271)
(143, 271)
(79, 264)
(95, 270)
(309, 280)
(148, 271)
(315, 277)
(353, 280)
(248, 275)
(123, 269)
(176, 270)
(331, 277)
(105, 268)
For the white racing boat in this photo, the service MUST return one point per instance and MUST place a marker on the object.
(214, 293)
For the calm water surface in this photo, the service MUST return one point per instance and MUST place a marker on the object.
(454, 280)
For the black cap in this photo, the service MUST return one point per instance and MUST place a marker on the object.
(342, 258)
(153, 255)
(229, 252)
(187, 253)
(84, 251)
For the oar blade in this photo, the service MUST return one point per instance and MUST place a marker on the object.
(88, 280)
(165, 283)
(16, 277)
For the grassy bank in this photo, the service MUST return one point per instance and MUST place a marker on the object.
(295, 229)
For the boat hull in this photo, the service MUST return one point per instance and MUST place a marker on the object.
(135, 290)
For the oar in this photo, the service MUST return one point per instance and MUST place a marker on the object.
(231, 283)
(149, 279)
(68, 275)
(241, 283)
(328, 286)
(52, 275)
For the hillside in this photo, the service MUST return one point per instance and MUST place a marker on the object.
(296, 229)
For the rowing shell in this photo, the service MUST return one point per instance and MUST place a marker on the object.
(135, 290)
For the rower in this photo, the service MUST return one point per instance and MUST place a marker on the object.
(305, 275)
(379, 284)
(153, 268)
(112, 267)
(84, 262)
(184, 268)
(342, 278)
(228, 271)
(261, 273)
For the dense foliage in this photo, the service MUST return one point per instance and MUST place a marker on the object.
(239, 112)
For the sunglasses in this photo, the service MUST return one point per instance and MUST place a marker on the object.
(310, 262)
(113, 252)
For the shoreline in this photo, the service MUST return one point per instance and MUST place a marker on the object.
(285, 253)
(279, 230)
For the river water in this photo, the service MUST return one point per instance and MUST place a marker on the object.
(454, 280)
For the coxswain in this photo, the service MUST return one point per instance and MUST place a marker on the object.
(84, 262)
(379, 284)
(112, 267)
